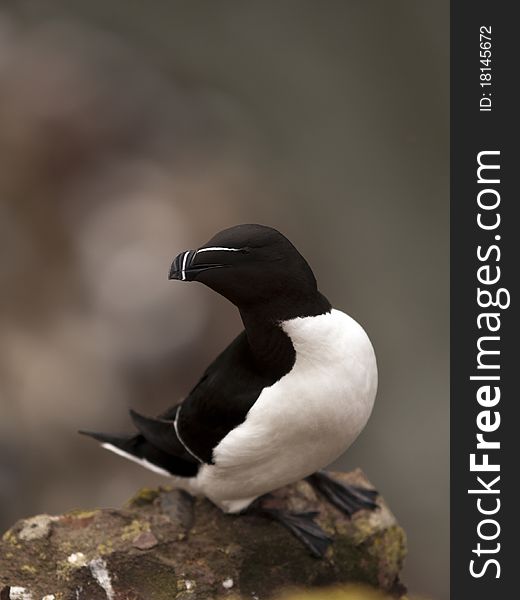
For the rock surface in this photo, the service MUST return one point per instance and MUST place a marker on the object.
(165, 545)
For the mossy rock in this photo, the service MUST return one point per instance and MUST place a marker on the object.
(165, 545)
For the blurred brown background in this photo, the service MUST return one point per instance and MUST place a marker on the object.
(130, 131)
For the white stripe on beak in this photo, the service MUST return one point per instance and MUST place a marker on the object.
(218, 248)
(183, 269)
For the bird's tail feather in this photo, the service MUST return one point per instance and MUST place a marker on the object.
(138, 449)
(121, 441)
(161, 433)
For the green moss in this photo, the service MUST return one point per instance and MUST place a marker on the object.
(10, 538)
(106, 548)
(186, 585)
(82, 514)
(363, 530)
(29, 569)
(354, 562)
(143, 497)
(66, 547)
(390, 549)
(136, 527)
(150, 576)
(64, 569)
(279, 555)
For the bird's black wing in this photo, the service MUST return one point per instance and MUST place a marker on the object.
(222, 398)
(179, 440)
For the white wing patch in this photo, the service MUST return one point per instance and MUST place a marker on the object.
(140, 461)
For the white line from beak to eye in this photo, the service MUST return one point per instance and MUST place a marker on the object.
(218, 248)
(183, 270)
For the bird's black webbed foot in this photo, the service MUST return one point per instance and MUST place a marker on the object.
(348, 498)
(301, 525)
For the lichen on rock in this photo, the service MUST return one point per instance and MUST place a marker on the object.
(165, 545)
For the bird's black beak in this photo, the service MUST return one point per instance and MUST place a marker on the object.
(180, 265)
(187, 265)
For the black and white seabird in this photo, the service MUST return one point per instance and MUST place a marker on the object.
(286, 398)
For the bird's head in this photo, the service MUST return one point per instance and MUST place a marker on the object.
(250, 265)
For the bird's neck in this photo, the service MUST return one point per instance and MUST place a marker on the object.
(271, 347)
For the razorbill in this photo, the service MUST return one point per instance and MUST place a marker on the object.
(286, 398)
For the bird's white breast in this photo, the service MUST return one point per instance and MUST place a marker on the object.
(302, 422)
